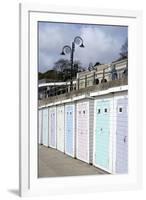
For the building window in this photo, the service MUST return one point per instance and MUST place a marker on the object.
(98, 111)
(103, 80)
(97, 81)
(105, 110)
(120, 109)
(83, 111)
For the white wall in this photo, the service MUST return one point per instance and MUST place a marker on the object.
(9, 98)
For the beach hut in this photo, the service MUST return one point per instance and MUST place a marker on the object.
(70, 129)
(45, 127)
(103, 122)
(121, 150)
(52, 127)
(60, 127)
(40, 138)
(84, 129)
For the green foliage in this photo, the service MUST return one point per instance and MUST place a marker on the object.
(61, 71)
(40, 76)
(50, 74)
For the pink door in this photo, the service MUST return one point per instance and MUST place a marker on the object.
(82, 132)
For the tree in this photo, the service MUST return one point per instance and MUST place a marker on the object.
(97, 63)
(124, 50)
(50, 74)
(40, 76)
(93, 67)
(61, 64)
(63, 69)
(78, 66)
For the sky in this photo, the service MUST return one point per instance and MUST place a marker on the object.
(102, 43)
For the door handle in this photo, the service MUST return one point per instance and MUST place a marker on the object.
(125, 139)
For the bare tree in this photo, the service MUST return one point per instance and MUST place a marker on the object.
(61, 64)
(124, 50)
(63, 68)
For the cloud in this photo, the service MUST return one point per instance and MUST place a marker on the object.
(102, 43)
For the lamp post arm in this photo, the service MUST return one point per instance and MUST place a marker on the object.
(67, 47)
(78, 38)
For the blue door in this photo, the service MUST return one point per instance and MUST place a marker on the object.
(69, 130)
(102, 133)
(45, 128)
(122, 136)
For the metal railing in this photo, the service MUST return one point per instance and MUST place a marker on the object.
(86, 83)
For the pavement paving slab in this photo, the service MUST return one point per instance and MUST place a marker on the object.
(53, 163)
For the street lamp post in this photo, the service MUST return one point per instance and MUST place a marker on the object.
(67, 49)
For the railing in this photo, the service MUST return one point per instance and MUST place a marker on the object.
(87, 81)
(68, 92)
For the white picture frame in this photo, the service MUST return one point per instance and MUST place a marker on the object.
(30, 184)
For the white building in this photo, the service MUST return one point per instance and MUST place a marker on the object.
(103, 73)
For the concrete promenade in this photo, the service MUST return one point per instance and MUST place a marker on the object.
(53, 163)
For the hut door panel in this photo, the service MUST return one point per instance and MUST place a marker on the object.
(83, 131)
(45, 127)
(52, 129)
(102, 133)
(60, 129)
(69, 130)
(40, 127)
(122, 136)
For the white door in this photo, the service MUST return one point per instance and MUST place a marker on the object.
(83, 131)
(52, 127)
(45, 127)
(40, 127)
(60, 128)
(122, 136)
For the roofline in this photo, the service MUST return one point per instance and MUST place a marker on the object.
(84, 96)
(119, 61)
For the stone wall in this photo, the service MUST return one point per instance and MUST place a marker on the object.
(87, 90)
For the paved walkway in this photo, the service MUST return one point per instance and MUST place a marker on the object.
(53, 163)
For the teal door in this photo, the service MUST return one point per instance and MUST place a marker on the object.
(102, 132)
